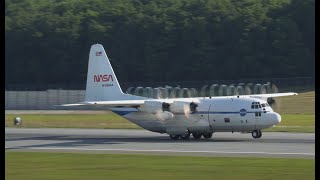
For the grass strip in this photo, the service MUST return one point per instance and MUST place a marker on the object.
(40, 165)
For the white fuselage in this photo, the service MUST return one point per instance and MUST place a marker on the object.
(216, 114)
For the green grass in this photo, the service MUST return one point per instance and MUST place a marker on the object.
(53, 166)
(295, 123)
(106, 120)
(303, 103)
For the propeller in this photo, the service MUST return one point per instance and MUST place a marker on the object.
(193, 107)
(275, 103)
(165, 106)
(165, 111)
(188, 108)
(165, 114)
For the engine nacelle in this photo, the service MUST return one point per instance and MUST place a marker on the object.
(165, 115)
(153, 106)
(183, 107)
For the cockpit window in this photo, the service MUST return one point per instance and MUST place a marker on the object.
(255, 105)
(263, 105)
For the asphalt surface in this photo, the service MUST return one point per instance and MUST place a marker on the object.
(271, 144)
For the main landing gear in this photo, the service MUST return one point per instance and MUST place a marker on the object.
(174, 137)
(184, 137)
(196, 135)
(206, 135)
(256, 134)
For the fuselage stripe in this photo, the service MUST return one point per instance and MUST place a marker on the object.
(122, 113)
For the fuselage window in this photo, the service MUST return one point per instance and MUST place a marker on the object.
(227, 120)
(256, 106)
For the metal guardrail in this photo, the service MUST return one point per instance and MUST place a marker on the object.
(204, 91)
(24, 99)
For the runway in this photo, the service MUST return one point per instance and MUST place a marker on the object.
(271, 144)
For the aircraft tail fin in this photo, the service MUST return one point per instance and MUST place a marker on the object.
(102, 83)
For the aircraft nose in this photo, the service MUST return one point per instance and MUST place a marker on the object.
(277, 118)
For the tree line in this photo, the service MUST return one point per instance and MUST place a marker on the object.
(159, 40)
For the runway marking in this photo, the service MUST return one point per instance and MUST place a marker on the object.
(163, 150)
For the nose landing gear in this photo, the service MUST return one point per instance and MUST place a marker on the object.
(256, 134)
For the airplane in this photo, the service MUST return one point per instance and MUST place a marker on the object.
(178, 117)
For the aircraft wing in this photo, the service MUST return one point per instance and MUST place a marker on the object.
(126, 103)
(264, 96)
(123, 103)
(137, 103)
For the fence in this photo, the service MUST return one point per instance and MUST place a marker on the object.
(25, 98)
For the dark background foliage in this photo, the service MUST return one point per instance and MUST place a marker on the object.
(159, 40)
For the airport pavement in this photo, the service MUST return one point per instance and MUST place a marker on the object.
(271, 144)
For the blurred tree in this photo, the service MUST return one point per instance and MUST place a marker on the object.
(160, 40)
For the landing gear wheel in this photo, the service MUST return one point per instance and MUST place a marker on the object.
(207, 135)
(185, 137)
(256, 134)
(174, 137)
(197, 135)
(260, 134)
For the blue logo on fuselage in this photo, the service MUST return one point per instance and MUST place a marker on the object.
(243, 112)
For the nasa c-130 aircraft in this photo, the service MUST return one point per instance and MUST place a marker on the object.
(178, 117)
